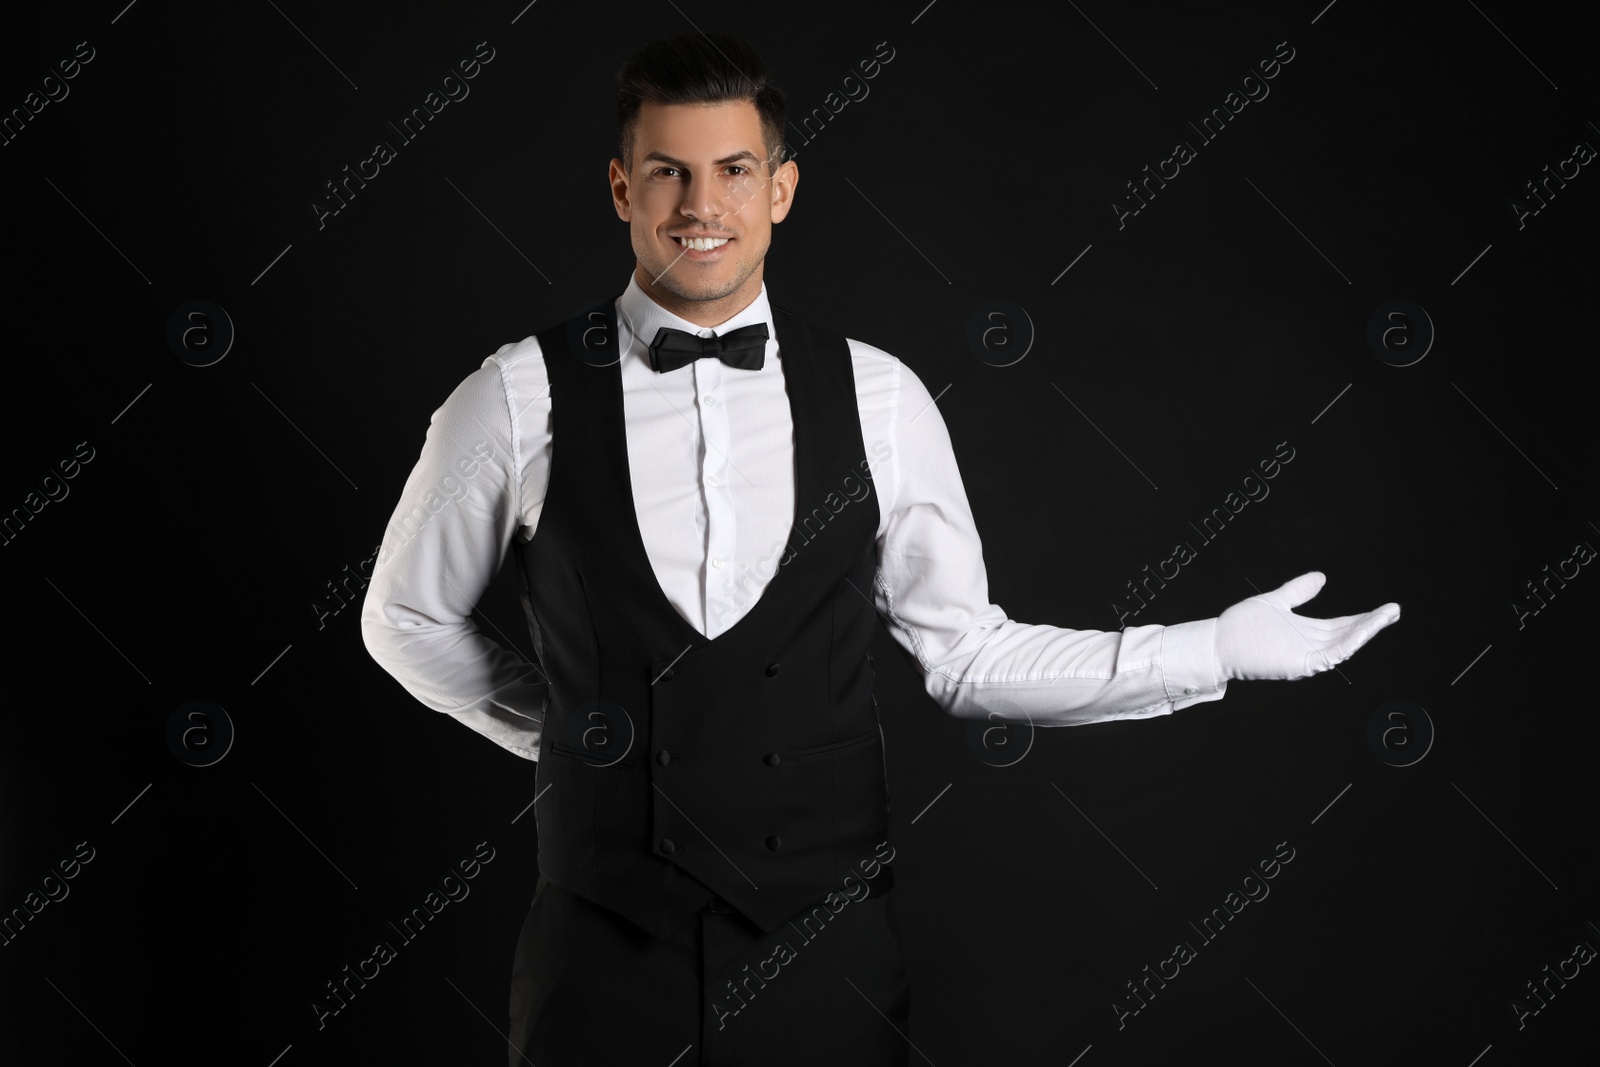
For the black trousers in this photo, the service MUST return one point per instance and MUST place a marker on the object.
(590, 988)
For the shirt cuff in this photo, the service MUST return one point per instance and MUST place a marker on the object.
(1189, 667)
(511, 730)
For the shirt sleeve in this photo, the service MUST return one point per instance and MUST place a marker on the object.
(446, 540)
(933, 591)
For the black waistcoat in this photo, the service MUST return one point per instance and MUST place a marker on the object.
(672, 767)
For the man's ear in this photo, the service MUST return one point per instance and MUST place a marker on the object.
(784, 182)
(619, 191)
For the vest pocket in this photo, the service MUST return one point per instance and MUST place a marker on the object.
(837, 746)
(593, 758)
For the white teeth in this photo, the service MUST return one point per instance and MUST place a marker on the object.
(702, 244)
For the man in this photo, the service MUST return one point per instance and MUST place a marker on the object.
(711, 502)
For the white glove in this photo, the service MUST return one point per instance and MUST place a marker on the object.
(1261, 638)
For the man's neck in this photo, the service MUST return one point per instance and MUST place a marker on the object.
(705, 313)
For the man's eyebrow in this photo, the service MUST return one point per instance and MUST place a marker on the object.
(741, 154)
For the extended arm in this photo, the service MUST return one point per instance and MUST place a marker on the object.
(932, 589)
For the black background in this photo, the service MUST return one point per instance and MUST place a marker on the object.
(1222, 319)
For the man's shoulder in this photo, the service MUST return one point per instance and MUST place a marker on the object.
(515, 369)
(516, 352)
(518, 363)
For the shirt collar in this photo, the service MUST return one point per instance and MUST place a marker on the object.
(639, 317)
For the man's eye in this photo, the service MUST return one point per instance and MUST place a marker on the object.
(667, 172)
(740, 168)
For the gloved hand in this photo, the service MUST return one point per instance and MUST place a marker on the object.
(1261, 638)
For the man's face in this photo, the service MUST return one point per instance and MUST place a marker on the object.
(701, 171)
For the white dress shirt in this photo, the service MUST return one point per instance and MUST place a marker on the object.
(711, 453)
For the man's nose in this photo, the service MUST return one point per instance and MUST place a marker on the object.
(704, 201)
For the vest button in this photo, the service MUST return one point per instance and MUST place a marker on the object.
(772, 668)
(774, 843)
(772, 759)
(667, 845)
(663, 757)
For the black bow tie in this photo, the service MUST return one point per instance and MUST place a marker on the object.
(745, 347)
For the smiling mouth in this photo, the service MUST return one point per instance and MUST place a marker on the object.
(701, 244)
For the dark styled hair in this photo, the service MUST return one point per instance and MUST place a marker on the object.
(698, 69)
